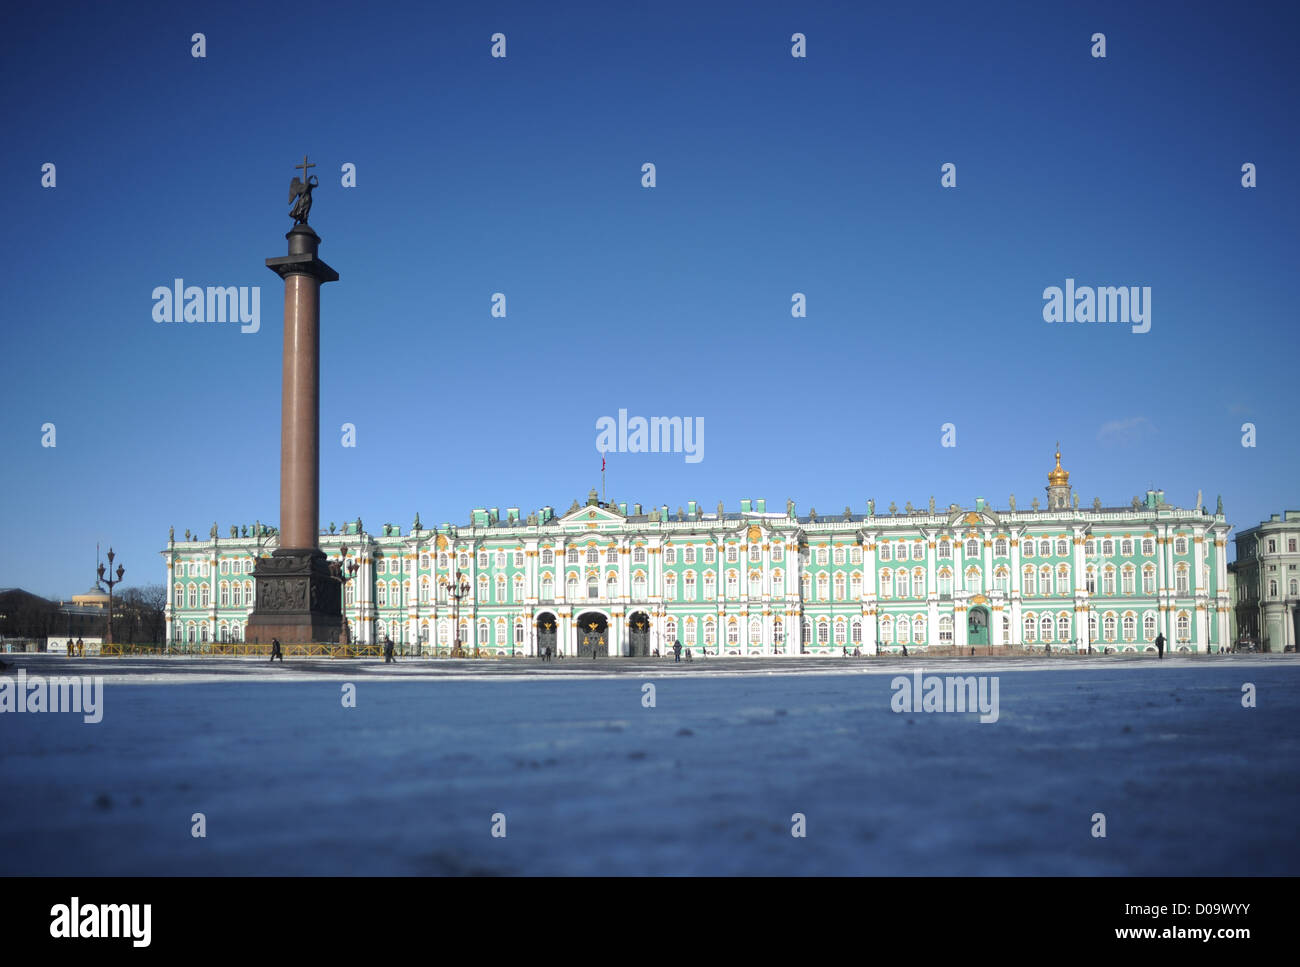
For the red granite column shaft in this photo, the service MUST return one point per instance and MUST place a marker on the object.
(300, 414)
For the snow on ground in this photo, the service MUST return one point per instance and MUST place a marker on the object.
(706, 782)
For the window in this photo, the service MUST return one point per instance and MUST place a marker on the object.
(463, 561)
(1183, 629)
(945, 550)
(885, 553)
(1028, 580)
(732, 554)
(501, 632)
(918, 551)
(1290, 545)
(237, 595)
(690, 586)
(611, 584)
(482, 633)
(571, 587)
(733, 632)
(1126, 547)
(1108, 580)
(710, 586)
(179, 600)
(903, 630)
(670, 630)
(1092, 626)
(203, 597)
(1027, 548)
(381, 594)
(1148, 579)
(670, 585)
(855, 554)
(1000, 579)
(823, 632)
(855, 585)
(1149, 626)
(1272, 589)
(1062, 627)
(1127, 579)
(690, 554)
(1180, 579)
(1000, 547)
(755, 584)
(972, 548)
(1062, 579)
(918, 629)
(572, 556)
(945, 629)
(1148, 547)
(482, 587)
(1180, 545)
(548, 556)
(670, 555)
(903, 584)
(225, 594)
(778, 582)
(482, 562)
(886, 583)
(1090, 579)
(710, 631)
(1107, 548)
(638, 555)
(519, 558)
(1062, 548)
(1030, 628)
(593, 588)
(442, 561)
(1108, 625)
(1272, 546)
(1130, 627)
(638, 586)
(778, 632)
(501, 589)
(593, 555)
(1045, 580)
(855, 631)
(945, 582)
(823, 585)
(777, 551)
(821, 556)
(1045, 548)
(1045, 627)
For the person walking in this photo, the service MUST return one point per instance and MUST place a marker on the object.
(81, 647)
(275, 650)
(1160, 645)
(677, 650)
(388, 650)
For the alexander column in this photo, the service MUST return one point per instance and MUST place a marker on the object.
(299, 596)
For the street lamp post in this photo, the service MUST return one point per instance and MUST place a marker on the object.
(110, 582)
(457, 588)
(345, 570)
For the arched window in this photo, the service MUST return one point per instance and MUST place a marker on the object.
(1108, 625)
(482, 588)
(733, 584)
(886, 583)
(903, 630)
(841, 632)
(1000, 547)
(224, 596)
(778, 632)
(548, 587)
(670, 631)
(710, 631)
(1062, 579)
(756, 583)
(1183, 628)
(755, 631)
(203, 598)
(670, 586)
(972, 579)
(887, 630)
(1001, 579)
(1149, 626)
(501, 589)
(593, 555)
(855, 585)
(1045, 627)
(855, 631)
(548, 556)
(733, 632)
(945, 629)
(823, 632)
(972, 548)
(1030, 627)
(1108, 580)
(593, 588)
(482, 633)
(1063, 627)
(918, 582)
(823, 586)
(639, 585)
(381, 594)
(1127, 578)
(903, 583)
(611, 584)
(1062, 548)
(945, 582)
(1180, 579)
(501, 632)
(1130, 627)
(638, 555)
(1045, 580)
(918, 629)
(571, 587)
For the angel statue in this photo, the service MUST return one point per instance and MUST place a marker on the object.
(301, 191)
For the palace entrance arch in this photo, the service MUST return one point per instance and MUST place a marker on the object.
(547, 630)
(977, 626)
(638, 635)
(592, 630)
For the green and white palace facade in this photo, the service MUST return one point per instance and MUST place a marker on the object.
(615, 579)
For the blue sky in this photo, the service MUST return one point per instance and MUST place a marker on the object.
(522, 175)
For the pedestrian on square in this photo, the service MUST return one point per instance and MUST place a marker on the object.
(388, 650)
(1160, 645)
(275, 650)
(80, 647)
(677, 650)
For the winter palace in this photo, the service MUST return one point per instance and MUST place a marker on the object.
(606, 578)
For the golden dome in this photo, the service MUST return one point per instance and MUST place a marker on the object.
(1058, 477)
